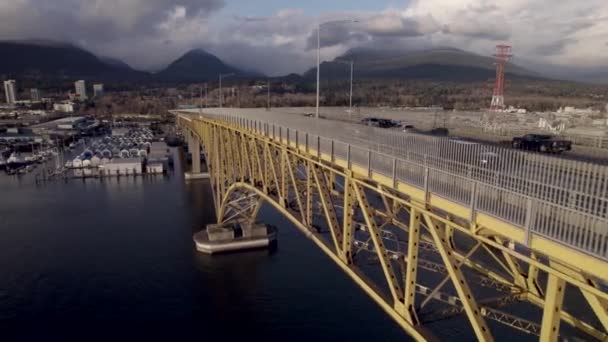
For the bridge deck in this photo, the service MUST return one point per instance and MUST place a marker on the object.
(539, 239)
(536, 201)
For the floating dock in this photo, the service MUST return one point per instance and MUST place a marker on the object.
(234, 237)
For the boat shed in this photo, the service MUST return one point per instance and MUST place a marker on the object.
(123, 167)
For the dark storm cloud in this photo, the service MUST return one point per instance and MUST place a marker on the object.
(272, 60)
(288, 23)
(386, 25)
(92, 21)
(554, 48)
(489, 33)
(336, 35)
(138, 31)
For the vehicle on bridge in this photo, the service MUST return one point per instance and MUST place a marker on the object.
(542, 143)
(379, 122)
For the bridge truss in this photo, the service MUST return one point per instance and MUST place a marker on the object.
(420, 263)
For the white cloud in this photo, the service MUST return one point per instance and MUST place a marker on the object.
(150, 33)
(562, 32)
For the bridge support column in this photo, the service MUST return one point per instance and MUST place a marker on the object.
(553, 305)
(194, 146)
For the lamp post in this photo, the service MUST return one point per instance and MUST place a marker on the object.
(350, 98)
(268, 97)
(221, 94)
(333, 22)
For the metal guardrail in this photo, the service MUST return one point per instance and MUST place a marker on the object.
(476, 130)
(577, 139)
(574, 215)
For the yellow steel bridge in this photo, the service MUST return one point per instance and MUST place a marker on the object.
(443, 242)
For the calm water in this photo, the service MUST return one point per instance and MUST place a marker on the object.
(92, 260)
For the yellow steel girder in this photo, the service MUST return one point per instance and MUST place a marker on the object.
(273, 163)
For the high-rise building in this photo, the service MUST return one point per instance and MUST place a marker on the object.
(35, 95)
(10, 90)
(81, 90)
(98, 90)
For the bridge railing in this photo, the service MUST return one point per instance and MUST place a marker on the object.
(573, 184)
(571, 226)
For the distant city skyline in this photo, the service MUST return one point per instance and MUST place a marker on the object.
(81, 90)
(98, 90)
(274, 36)
(10, 91)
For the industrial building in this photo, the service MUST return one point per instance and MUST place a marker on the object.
(10, 90)
(64, 107)
(120, 132)
(123, 167)
(35, 95)
(98, 90)
(155, 168)
(158, 152)
(81, 90)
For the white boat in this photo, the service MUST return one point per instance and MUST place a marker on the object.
(77, 163)
(95, 161)
(16, 161)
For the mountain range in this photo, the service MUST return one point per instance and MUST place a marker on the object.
(61, 61)
(58, 61)
(439, 64)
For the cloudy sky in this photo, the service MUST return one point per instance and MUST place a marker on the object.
(275, 36)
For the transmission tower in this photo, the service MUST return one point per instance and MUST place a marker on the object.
(502, 55)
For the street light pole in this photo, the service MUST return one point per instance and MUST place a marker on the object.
(318, 68)
(200, 101)
(221, 94)
(206, 95)
(319, 55)
(268, 104)
(350, 100)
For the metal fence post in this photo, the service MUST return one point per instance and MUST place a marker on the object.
(306, 140)
(394, 172)
(319, 146)
(332, 157)
(528, 222)
(348, 164)
(473, 204)
(426, 184)
(369, 163)
(297, 140)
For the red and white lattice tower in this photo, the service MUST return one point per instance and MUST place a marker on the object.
(503, 53)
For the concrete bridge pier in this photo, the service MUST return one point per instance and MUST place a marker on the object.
(234, 236)
(194, 147)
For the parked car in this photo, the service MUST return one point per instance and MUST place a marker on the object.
(541, 143)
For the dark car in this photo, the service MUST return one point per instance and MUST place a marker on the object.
(377, 122)
(542, 143)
